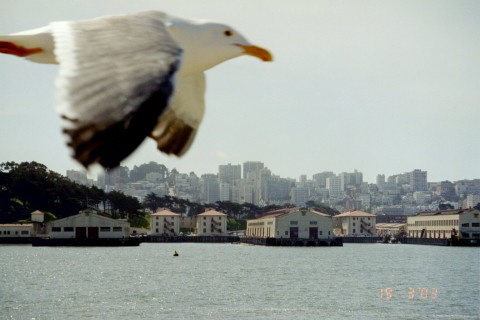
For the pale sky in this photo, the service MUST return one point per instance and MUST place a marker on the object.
(380, 86)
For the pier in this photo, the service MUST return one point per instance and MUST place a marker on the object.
(293, 242)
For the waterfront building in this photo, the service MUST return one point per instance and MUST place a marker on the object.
(16, 230)
(390, 229)
(354, 224)
(291, 223)
(88, 225)
(210, 223)
(165, 222)
(445, 224)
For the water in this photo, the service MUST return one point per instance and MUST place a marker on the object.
(235, 281)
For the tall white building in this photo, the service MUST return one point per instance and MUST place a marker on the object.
(472, 200)
(210, 188)
(334, 186)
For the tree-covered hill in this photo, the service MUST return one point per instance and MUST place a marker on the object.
(30, 186)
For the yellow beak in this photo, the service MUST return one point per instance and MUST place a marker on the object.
(257, 52)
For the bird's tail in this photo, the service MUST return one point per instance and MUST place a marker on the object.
(35, 45)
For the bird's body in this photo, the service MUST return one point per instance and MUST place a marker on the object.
(123, 78)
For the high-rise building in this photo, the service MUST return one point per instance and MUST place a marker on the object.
(251, 166)
(298, 196)
(321, 178)
(334, 186)
(79, 177)
(418, 180)
(380, 180)
(472, 200)
(229, 173)
(210, 188)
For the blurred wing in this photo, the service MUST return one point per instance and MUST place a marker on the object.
(116, 77)
(177, 127)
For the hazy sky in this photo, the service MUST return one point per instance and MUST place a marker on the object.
(378, 86)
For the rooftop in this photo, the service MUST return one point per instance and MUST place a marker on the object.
(211, 212)
(445, 212)
(165, 212)
(356, 213)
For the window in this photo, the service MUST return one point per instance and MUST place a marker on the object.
(156, 223)
(354, 224)
(56, 229)
(24, 232)
(313, 222)
(106, 229)
(286, 233)
(294, 222)
(320, 232)
(117, 229)
(475, 235)
(475, 224)
(353, 230)
(204, 218)
(68, 229)
(156, 218)
(204, 230)
(173, 223)
(466, 224)
(204, 224)
(16, 232)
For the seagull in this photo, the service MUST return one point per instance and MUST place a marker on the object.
(123, 78)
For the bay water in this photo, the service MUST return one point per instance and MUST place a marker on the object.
(238, 281)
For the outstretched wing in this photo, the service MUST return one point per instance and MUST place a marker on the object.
(116, 78)
(177, 127)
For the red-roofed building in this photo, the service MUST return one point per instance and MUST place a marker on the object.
(211, 223)
(165, 222)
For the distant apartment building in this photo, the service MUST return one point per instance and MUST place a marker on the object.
(445, 224)
(251, 166)
(418, 180)
(472, 200)
(225, 191)
(210, 188)
(351, 178)
(334, 186)
(293, 223)
(229, 173)
(79, 177)
(321, 178)
(354, 224)
(210, 223)
(299, 196)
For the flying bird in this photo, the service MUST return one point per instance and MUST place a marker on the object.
(126, 77)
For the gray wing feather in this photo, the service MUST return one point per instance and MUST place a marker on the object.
(116, 78)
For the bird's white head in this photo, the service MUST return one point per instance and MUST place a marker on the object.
(207, 44)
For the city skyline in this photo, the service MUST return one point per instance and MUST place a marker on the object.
(381, 87)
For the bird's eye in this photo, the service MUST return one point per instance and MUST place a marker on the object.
(228, 33)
